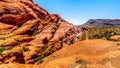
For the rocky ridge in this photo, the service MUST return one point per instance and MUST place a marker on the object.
(102, 23)
(29, 33)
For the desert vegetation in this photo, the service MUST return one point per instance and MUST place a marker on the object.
(101, 33)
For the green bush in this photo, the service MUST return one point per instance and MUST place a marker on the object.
(98, 33)
(4, 49)
(26, 49)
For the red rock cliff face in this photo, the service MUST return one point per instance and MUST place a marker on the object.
(28, 32)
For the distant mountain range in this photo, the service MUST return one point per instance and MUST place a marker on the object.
(102, 23)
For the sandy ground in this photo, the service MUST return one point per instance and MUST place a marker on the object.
(84, 54)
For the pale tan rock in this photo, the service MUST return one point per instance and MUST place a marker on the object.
(115, 38)
(60, 33)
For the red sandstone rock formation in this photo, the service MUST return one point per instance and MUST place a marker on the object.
(31, 29)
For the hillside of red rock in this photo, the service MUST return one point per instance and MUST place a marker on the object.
(96, 53)
(28, 33)
(31, 37)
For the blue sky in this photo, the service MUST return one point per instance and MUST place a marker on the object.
(80, 11)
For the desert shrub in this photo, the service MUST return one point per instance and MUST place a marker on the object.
(44, 48)
(4, 49)
(39, 59)
(25, 49)
(98, 33)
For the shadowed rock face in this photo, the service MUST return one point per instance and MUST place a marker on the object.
(28, 33)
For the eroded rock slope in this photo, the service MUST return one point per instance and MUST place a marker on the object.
(29, 33)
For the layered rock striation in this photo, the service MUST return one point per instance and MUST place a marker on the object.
(29, 33)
